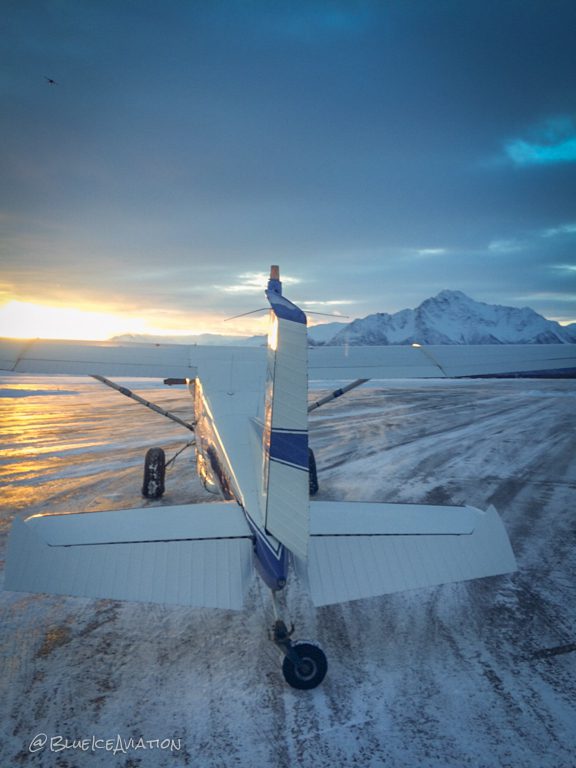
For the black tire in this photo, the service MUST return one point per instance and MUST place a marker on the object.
(313, 474)
(311, 670)
(154, 474)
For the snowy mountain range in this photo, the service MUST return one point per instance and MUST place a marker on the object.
(451, 317)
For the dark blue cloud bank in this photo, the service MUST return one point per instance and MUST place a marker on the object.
(379, 151)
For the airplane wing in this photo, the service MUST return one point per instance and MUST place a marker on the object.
(196, 555)
(106, 358)
(399, 362)
(109, 358)
(362, 549)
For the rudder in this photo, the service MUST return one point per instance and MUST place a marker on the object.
(285, 437)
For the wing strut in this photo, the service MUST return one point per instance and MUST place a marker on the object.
(152, 406)
(336, 393)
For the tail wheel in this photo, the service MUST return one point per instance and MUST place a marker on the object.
(313, 474)
(310, 669)
(154, 473)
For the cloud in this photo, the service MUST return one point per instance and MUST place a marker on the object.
(505, 246)
(531, 240)
(335, 137)
(538, 296)
(431, 251)
(328, 303)
(553, 143)
(254, 282)
(424, 253)
(311, 307)
(564, 229)
(523, 153)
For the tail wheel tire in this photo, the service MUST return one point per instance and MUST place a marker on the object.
(313, 474)
(311, 668)
(154, 473)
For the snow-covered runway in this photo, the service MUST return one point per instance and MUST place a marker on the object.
(478, 674)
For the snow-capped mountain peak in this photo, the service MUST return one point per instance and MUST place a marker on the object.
(452, 317)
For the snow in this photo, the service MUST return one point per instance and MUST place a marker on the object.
(451, 317)
(449, 676)
(323, 332)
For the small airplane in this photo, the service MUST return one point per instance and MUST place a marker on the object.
(50, 81)
(250, 423)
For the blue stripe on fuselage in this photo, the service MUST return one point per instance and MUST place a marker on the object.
(271, 564)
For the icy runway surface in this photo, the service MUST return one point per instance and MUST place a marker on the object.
(478, 674)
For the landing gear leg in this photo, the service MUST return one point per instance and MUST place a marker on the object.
(304, 665)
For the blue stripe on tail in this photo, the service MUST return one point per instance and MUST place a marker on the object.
(289, 448)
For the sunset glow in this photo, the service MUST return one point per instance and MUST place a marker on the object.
(28, 320)
(31, 320)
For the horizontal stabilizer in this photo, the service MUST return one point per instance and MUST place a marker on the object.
(368, 550)
(197, 555)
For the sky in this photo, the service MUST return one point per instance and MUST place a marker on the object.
(379, 152)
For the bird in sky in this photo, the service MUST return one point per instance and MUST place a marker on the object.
(50, 81)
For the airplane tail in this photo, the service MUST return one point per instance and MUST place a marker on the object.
(285, 436)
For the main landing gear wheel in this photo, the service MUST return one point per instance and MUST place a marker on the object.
(154, 473)
(305, 667)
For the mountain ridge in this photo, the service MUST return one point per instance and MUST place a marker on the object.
(450, 317)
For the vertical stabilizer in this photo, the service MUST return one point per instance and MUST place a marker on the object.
(285, 437)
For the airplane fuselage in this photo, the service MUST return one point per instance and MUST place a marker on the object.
(255, 451)
(215, 471)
